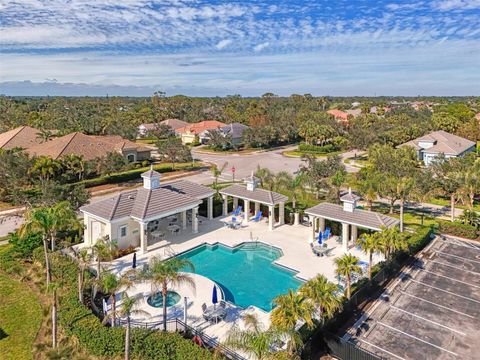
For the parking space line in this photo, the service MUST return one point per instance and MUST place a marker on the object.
(380, 348)
(417, 338)
(446, 291)
(447, 277)
(455, 267)
(456, 256)
(432, 303)
(469, 246)
(427, 320)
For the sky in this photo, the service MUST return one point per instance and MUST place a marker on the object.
(217, 48)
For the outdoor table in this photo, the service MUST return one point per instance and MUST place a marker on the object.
(319, 249)
(173, 228)
(216, 313)
(157, 234)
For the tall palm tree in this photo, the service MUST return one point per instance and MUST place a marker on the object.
(369, 243)
(392, 240)
(45, 168)
(321, 293)
(470, 182)
(266, 177)
(83, 259)
(74, 164)
(53, 288)
(294, 185)
(256, 341)
(164, 274)
(103, 250)
(216, 172)
(347, 265)
(290, 308)
(111, 284)
(404, 187)
(128, 307)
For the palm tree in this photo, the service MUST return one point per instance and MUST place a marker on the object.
(256, 341)
(104, 249)
(44, 135)
(265, 176)
(128, 307)
(216, 172)
(321, 293)
(347, 265)
(470, 182)
(74, 164)
(404, 187)
(45, 167)
(83, 259)
(52, 288)
(290, 308)
(369, 243)
(111, 284)
(166, 273)
(293, 185)
(392, 240)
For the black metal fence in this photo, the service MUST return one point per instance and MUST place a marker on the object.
(346, 350)
(176, 325)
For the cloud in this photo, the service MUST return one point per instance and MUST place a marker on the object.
(446, 5)
(223, 44)
(260, 47)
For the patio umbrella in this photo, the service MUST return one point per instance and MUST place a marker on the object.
(214, 295)
(320, 238)
(134, 262)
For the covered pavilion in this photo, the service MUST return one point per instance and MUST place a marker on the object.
(252, 193)
(349, 216)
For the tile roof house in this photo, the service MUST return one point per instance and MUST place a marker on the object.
(234, 130)
(128, 217)
(339, 115)
(90, 147)
(174, 124)
(439, 142)
(200, 129)
(23, 137)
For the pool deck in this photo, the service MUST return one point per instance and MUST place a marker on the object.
(292, 240)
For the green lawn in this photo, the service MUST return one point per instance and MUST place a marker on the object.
(445, 202)
(20, 319)
(412, 218)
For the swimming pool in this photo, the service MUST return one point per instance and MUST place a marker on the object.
(245, 273)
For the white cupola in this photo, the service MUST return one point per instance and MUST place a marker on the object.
(252, 182)
(151, 179)
(349, 201)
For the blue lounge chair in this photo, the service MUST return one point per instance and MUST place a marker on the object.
(257, 217)
(237, 211)
(326, 234)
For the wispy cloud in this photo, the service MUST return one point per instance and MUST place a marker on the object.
(181, 43)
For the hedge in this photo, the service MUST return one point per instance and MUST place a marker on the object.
(317, 149)
(458, 229)
(135, 174)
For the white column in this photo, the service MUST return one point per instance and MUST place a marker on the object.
(225, 205)
(345, 236)
(143, 237)
(184, 220)
(87, 232)
(321, 222)
(271, 216)
(354, 234)
(235, 203)
(312, 233)
(296, 218)
(257, 208)
(210, 208)
(195, 220)
(281, 213)
(247, 210)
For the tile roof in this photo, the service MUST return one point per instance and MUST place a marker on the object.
(201, 126)
(359, 217)
(173, 123)
(88, 146)
(21, 137)
(144, 203)
(234, 129)
(338, 114)
(445, 143)
(259, 195)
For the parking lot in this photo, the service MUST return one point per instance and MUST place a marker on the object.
(432, 311)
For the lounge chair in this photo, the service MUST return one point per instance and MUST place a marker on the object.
(257, 217)
(326, 234)
(237, 211)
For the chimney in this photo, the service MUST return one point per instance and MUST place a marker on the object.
(252, 182)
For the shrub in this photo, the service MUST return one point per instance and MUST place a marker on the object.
(8, 260)
(317, 149)
(25, 245)
(418, 240)
(458, 229)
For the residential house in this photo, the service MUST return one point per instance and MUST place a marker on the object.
(353, 112)
(131, 218)
(234, 130)
(174, 124)
(91, 147)
(190, 132)
(440, 142)
(23, 137)
(339, 115)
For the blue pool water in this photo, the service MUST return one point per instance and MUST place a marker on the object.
(246, 273)
(156, 300)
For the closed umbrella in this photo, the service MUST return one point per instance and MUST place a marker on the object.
(134, 262)
(214, 295)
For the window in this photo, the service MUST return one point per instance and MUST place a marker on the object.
(123, 231)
